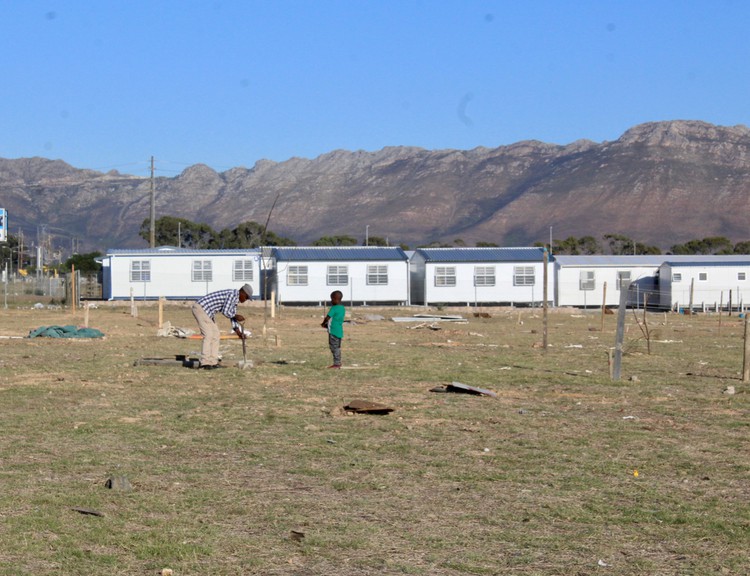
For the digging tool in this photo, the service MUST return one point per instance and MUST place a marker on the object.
(244, 364)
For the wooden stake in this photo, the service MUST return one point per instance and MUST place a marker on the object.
(604, 306)
(86, 315)
(620, 334)
(73, 286)
(161, 312)
(730, 303)
(692, 286)
(273, 303)
(133, 309)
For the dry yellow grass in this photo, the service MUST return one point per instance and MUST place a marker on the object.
(262, 471)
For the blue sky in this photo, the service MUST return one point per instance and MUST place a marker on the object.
(106, 85)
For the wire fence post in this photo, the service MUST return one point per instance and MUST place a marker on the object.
(620, 334)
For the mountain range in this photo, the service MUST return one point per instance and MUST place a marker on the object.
(660, 183)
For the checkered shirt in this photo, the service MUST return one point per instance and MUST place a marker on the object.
(224, 301)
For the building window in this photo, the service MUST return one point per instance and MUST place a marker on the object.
(377, 275)
(677, 277)
(140, 271)
(702, 276)
(484, 276)
(445, 276)
(588, 280)
(740, 275)
(622, 277)
(523, 276)
(202, 271)
(296, 276)
(242, 271)
(338, 276)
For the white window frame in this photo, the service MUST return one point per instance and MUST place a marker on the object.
(202, 271)
(377, 275)
(445, 276)
(676, 276)
(524, 276)
(741, 276)
(140, 270)
(622, 275)
(243, 271)
(484, 276)
(296, 276)
(587, 280)
(337, 275)
(702, 276)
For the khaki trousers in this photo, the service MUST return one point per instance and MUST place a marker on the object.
(210, 333)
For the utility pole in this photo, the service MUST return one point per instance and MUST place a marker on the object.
(152, 235)
(20, 249)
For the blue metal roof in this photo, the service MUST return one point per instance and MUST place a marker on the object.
(169, 250)
(656, 260)
(709, 263)
(338, 253)
(482, 254)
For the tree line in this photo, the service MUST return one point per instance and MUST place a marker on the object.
(618, 244)
(172, 231)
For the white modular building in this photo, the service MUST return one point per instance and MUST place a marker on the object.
(473, 276)
(708, 282)
(594, 280)
(177, 273)
(365, 275)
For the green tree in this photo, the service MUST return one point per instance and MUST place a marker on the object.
(171, 231)
(710, 245)
(619, 244)
(482, 244)
(335, 241)
(376, 241)
(589, 245)
(742, 247)
(84, 263)
(645, 249)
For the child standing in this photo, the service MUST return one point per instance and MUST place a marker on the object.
(334, 322)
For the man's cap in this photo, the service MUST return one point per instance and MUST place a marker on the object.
(247, 289)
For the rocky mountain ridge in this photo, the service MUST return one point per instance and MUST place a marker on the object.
(660, 183)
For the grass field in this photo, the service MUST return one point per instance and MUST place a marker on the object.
(261, 471)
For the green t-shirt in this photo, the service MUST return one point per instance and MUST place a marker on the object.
(336, 323)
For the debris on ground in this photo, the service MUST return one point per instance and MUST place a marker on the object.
(425, 325)
(120, 483)
(460, 388)
(366, 407)
(297, 535)
(178, 361)
(65, 332)
(373, 317)
(87, 511)
(430, 318)
(168, 330)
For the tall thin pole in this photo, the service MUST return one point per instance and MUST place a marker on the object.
(745, 357)
(544, 304)
(550, 239)
(152, 235)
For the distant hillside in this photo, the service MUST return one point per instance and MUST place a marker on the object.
(660, 183)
